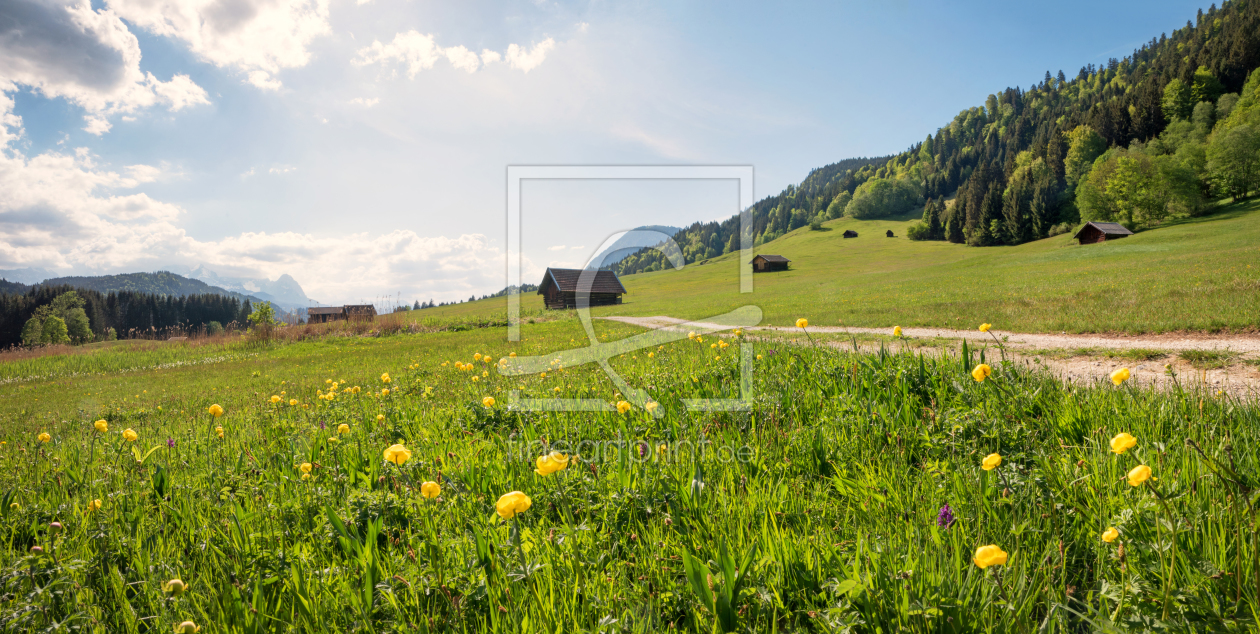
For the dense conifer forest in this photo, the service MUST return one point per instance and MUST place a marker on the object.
(89, 315)
(1158, 134)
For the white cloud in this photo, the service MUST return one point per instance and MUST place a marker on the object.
(65, 212)
(282, 169)
(418, 51)
(262, 79)
(577, 248)
(556, 248)
(88, 57)
(258, 37)
(524, 61)
(366, 103)
(250, 172)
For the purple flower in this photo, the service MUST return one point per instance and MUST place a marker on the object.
(321, 424)
(945, 518)
(643, 449)
(170, 442)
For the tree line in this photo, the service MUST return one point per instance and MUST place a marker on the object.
(63, 314)
(1154, 135)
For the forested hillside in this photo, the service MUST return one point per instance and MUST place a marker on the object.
(88, 315)
(1158, 134)
(156, 283)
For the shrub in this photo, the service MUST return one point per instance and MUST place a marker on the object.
(918, 231)
(214, 328)
(882, 197)
(816, 223)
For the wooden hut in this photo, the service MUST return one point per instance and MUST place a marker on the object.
(559, 288)
(766, 263)
(1094, 232)
(849, 233)
(890, 234)
(324, 314)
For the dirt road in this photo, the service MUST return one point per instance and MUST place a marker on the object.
(1077, 358)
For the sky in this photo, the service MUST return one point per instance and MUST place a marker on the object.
(361, 146)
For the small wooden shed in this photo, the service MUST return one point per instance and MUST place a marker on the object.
(324, 314)
(559, 288)
(890, 234)
(765, 263)
(849, 233)
(1095, 232)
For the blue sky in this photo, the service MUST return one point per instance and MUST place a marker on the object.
(361, 147)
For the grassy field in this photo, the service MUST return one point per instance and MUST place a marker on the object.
(822, 509)
(1199, 274)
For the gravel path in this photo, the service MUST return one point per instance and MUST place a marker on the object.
(1238, 379)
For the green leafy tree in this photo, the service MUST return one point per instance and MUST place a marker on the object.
(1206, 87)
(838, 205)
(263, 320)
(1233, 160)
(1084, 146)
(881, 198)
(33, 332)
(1178, 100)
(54, 331)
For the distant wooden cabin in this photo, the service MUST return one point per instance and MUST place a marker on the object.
(890, 234)
(324, 314)
(559, 288)
(849, 233)
(767, 263)
(1095, 232)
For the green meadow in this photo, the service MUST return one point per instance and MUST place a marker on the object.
(1200, 274)
(851, 495)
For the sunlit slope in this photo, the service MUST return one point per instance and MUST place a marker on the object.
(1199, 274)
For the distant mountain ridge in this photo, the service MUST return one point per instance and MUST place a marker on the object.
(631, 242)
(284, 291)
(156, 283)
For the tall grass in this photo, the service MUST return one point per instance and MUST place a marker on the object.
(818, 510)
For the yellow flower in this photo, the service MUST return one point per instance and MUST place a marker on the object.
(130, 435)
(991, 462)
(216, 410)
(306, 476)
(487, 401)
(219, 431)
(723, 344)
(397, 454)
(651, 355)
(355, 389)
(985, 327)
(713, 345)
(989, 556)
(94, 505)
(737, 332)
(1110, 535)
(476, 356)
(343, 429)
(305, 468)
(385, 378)
(476, 378)
(187, 627)
(1123, 442)
(1120, 376)
(101, 426)
(623, 407)
(551, 463)
(691, 335)
(44, 437)
(802, 323)
(174, 587)
(485, 373)
(512, 503)
(758, 357)
(542, 375)
(385, 392)
(274, 399)
(430, 490)
(512, 354)
(1139, 474)
(334, 440)
(981, 372)
(896, 331)
(292, 402)
(651, 406)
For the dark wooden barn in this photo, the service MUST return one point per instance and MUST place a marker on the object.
(1094, 232)
(324, 314)
(559, 288)
(849, 233)
(766, 263)
(890, 234)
